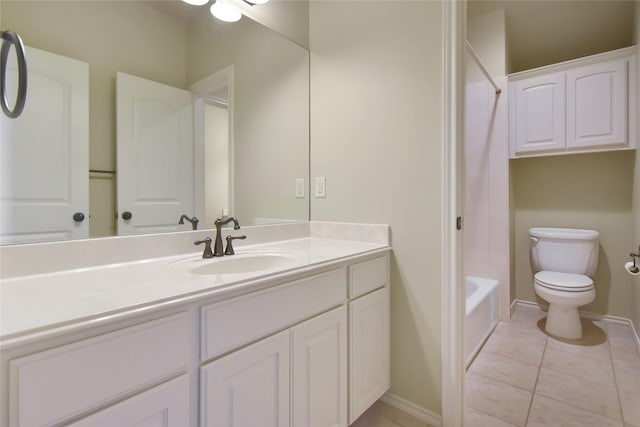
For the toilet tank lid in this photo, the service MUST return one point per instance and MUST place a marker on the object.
(563, 233)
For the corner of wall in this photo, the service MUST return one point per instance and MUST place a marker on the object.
(636, 179)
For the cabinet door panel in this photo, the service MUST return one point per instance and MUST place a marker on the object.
(163, 406)
(64, 382)
(597, 104)
(249, 387)
(369, 351)
(539, 118)
(319, 371)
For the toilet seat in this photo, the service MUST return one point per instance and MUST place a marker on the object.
(564, 281)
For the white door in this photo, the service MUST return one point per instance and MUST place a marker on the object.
(319, 371)
(44, 153)
(166, 405)
(597, 104)
(249, 387)
(538, 120)
(155, 155)
(369, 351)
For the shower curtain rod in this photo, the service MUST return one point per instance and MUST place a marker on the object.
(484, 70)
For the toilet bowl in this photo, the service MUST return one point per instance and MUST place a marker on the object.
(564, 258)
(565, 293)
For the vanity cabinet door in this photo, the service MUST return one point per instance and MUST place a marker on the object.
(597, 104)
(249, 387)
(369, 351)
(163, 406)
(319, 371)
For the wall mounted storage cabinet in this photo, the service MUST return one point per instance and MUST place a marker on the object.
(578, 106)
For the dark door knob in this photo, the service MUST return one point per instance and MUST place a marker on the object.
(78, 217)
(126, 215)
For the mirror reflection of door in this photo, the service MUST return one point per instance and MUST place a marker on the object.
(154, 154)
(44, 153)
(213, 127)
(216, 154)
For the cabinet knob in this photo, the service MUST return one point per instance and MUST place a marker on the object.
(126, 215)
(78, 217)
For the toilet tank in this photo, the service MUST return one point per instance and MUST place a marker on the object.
(565, 250)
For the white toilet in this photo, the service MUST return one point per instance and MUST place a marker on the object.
(564, 259)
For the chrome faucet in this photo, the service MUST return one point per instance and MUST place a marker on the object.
(217, 247)
(194, 221)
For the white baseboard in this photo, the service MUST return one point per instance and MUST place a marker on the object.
(412, 409)
(588, 315)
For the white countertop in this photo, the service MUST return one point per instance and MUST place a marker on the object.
(34, 304)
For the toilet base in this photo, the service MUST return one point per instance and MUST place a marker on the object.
(563, 321)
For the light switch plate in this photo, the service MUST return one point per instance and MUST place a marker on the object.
(321, 187)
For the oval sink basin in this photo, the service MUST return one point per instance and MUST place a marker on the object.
(242, 264)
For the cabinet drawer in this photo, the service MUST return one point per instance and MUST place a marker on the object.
(231, 324)
(367, 276)
(53, 385)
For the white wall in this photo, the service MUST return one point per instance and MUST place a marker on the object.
(376, 135)
(486, 210)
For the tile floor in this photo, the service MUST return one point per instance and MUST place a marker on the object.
(522, 377)
(383, 415)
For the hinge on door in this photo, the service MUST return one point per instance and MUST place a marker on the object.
(459, 223)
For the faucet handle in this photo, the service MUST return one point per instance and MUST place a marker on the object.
(208, 253)
(229, 250)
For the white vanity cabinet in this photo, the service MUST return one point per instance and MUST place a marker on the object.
(161, 406)
(306, 349)
(249, 387)
(319, 370)
(578, 106)
(56, 385)
(369, 335)
(297, 377)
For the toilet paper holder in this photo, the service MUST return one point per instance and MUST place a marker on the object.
(633, 256)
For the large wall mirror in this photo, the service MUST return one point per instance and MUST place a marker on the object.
(141, 111)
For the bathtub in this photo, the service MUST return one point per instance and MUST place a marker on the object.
(481, 317)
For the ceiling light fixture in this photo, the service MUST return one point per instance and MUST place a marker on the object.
(196, 2)
(225, 12)
(223, 9)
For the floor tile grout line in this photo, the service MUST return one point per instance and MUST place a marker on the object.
(615, 377)
(492, 415)
(502, 382)
(535, 385)
(509, 357)
(579, 408)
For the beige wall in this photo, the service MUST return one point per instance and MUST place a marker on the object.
(216, 154)
(270, 113)
(376, 135)
(287, 17)
(582, 191)
(486, 32)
